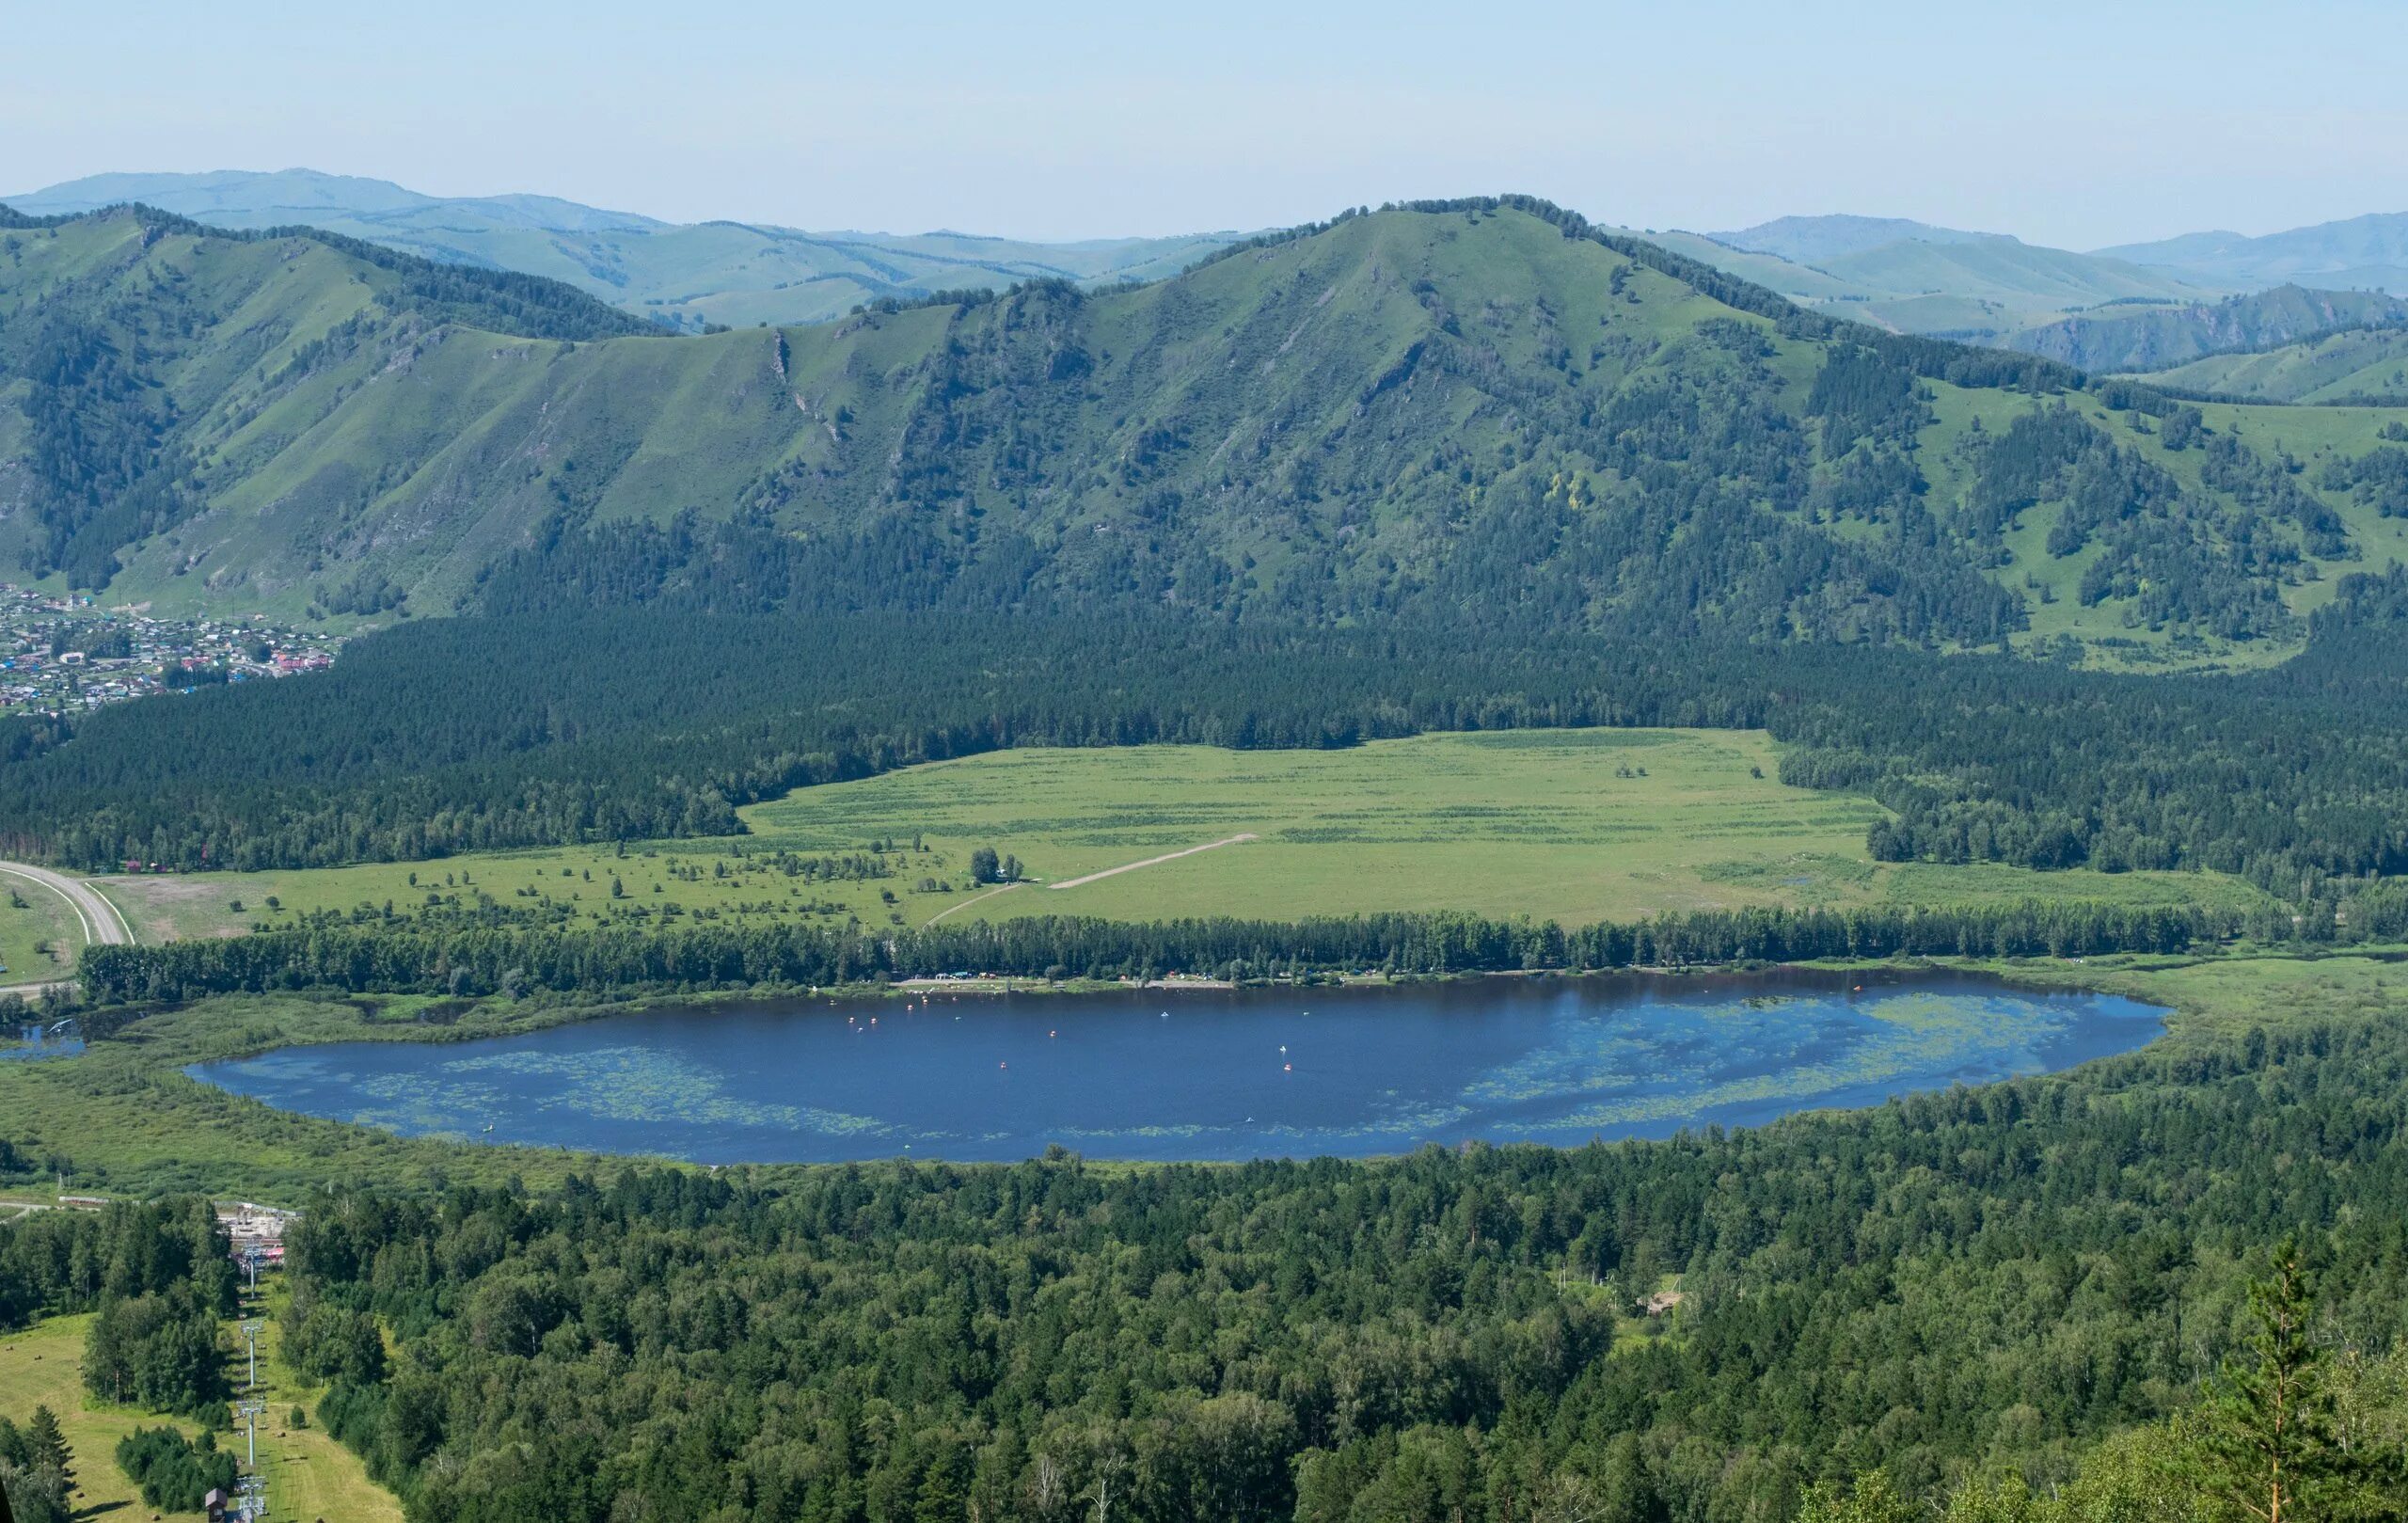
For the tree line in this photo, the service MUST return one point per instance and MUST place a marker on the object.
(468, 958)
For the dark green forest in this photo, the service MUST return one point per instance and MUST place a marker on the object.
(36, 1468)
(468, 734)
(159, 1277)
(476, 953)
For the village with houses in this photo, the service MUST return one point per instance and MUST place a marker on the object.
(63, 655)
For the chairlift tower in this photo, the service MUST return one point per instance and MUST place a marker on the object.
(250, 1497)
(250, 1410)
(252, 1328)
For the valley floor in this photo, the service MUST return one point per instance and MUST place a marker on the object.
(1573, 826)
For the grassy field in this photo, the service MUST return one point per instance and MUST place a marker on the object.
(309, 1475)
(38, 933)
(2215, 997)
(43, 1366)
(1570, 825)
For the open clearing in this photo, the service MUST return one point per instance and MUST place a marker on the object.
(309, 1475)
(1572, 825)
(43, 1366)
(46, 918)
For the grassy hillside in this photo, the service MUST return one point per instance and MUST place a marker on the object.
(2021, 276)
(1463, 412)
(138, 349)
(689, 275)
(2364, 364)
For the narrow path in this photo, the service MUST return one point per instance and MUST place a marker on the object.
(1154, 862)
(966, 904)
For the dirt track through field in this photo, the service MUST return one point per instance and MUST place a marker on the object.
(968, 902)
(1152, 862)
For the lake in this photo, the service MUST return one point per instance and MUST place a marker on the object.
(1203, 1074)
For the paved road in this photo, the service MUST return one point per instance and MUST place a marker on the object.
(99, 917)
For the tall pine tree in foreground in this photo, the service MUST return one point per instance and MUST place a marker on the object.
(2263, 1442)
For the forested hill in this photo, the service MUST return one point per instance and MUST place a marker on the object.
(136, 348)
(1477, 414)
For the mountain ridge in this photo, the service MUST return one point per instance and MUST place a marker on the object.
(2364, 251)
(1812, 240)
(1486, 410)
(1897, 273)
(723, 271)
(1916, 277)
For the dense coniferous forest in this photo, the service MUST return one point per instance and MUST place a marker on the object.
(35, 1468)
(465, 734)
(66, 1262)
(1998, 1278)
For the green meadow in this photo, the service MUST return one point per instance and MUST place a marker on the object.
(40, 934)
(1569, 825)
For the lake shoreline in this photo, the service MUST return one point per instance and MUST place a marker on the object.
(126, 1120)
(1553, 1059)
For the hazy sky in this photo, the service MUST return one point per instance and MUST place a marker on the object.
(2076, 124)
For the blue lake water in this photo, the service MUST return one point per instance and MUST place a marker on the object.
(1203, 1074)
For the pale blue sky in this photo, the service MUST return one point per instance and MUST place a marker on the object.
(2077, 124)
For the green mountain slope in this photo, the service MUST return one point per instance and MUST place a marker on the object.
(132, 347)
(1480, 413)
(2360, 365)
(728, 273)
(2143, 338)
